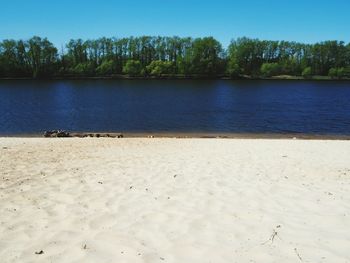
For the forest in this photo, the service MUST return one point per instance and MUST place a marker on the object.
(153, 57)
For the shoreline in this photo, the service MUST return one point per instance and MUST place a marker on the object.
(189, 135)
(182, 77)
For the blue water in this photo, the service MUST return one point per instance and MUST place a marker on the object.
(308, 107)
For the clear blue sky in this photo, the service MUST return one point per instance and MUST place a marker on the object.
(60, 20)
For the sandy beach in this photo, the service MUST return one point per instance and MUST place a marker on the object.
(174, 200)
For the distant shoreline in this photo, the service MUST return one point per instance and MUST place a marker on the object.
(183, 77)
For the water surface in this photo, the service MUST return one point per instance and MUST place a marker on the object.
(220, 106)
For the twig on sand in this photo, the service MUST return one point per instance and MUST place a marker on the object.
(272, 238)
(297, 253)
(274, 234)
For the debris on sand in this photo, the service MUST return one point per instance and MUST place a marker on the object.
(56, 134)
(61, 134)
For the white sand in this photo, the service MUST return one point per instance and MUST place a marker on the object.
(174, 200)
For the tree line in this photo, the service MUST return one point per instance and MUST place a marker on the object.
(149, 56)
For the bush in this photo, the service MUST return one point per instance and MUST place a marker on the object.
(132, 68)
(106, 68)
(83, 69)
(341, 73)
(333, 73)
(270, 69)
(233, 69)
(338, 73)
(307, 72)
(289, 67)
(157, 68)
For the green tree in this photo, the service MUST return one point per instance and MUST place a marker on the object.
(9, 60)
(77, 51)
(205, 56)
(42, 57)
(37, 57)
(245, 52)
